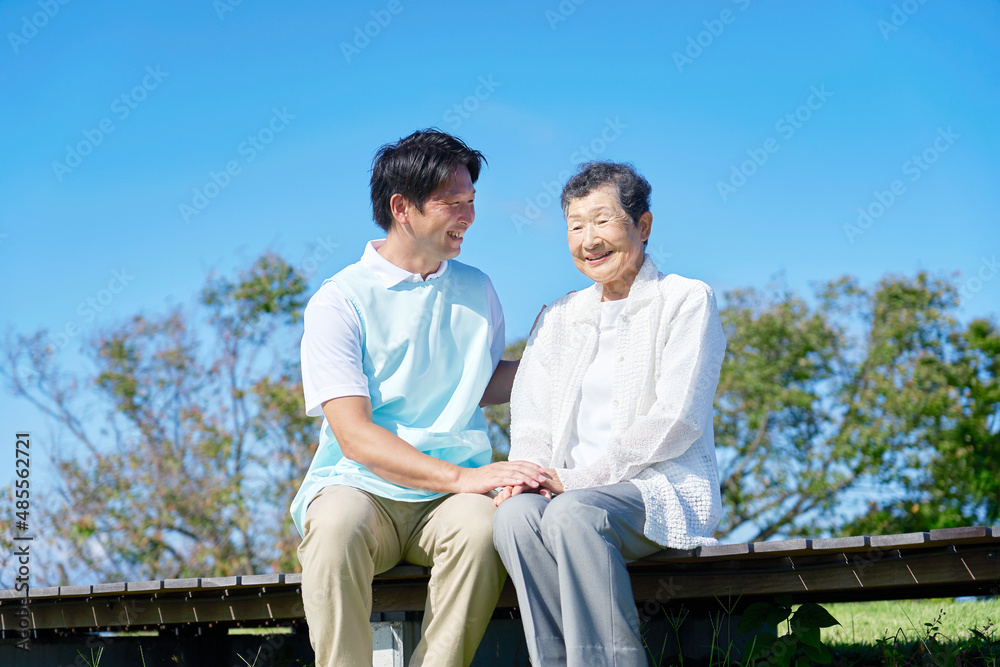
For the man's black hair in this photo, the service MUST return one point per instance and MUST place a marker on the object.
(415, 167)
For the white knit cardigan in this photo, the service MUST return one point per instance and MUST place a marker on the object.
(669, 352)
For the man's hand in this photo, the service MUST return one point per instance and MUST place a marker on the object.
(397, 461)
(502, 473)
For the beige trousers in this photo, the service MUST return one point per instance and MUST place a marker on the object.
(351, 535)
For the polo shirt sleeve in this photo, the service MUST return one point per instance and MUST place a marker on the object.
(498, 340)
(331, 350)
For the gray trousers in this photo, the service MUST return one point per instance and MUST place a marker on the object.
(566, 557)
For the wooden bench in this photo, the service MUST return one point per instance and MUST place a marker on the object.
(940, 563)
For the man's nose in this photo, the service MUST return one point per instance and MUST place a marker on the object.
(467, 214)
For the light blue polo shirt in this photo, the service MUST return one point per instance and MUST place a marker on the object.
(426, 357)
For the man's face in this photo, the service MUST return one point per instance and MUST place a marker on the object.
(448, 213)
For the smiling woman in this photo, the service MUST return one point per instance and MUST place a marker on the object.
(613, 397)
(607, 246)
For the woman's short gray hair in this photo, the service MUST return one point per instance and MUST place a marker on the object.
(633, 190)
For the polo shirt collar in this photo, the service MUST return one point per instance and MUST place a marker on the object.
(388, 273)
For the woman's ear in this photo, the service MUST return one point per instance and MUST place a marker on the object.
(645, 225)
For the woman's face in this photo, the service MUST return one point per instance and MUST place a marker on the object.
(606, 245)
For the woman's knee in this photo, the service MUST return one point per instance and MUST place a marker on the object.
(518, 517)
(569, 514)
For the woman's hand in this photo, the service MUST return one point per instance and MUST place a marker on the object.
(552, 484)
(511, 491)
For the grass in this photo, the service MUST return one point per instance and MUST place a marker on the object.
(943, 632)
(867, 622)
(904, 633)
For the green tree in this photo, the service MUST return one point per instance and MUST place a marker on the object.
(178, 456)
(955, 482)
(870, 389)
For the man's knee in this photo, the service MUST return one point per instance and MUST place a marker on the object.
(468, 520)
(339, 521)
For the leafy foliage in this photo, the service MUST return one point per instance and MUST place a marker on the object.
(178, 454)
(201, 444)
(800, 646)
(869, 388)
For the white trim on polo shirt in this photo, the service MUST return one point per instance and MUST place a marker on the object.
(388, 273)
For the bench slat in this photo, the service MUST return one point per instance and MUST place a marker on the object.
(724, 550)
(901, 540)
(848, 544)
(969, 535)
(783, 547)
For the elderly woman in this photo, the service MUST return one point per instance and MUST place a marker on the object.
(614, 397)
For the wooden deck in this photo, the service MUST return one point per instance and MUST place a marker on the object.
(941, 563)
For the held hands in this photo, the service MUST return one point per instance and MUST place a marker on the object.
(502, 473)
(551, 486)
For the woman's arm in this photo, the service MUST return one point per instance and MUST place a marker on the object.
(531, 397)
(685, 391)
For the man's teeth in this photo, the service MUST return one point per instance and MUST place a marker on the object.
(594, 258)
(455, 235)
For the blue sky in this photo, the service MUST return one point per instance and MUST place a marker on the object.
(763, 128)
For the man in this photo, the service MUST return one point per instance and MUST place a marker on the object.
(397, 353)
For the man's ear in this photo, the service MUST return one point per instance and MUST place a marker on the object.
(645, 225)
(399, 206)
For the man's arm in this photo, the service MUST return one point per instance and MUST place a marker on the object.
(395, 460)
(498, 389)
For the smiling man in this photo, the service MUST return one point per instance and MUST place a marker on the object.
(399, 351)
